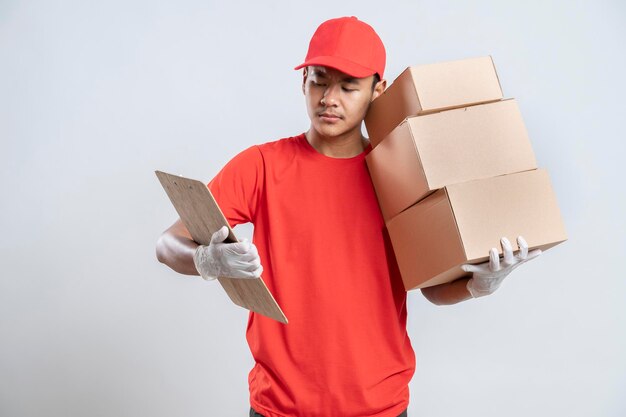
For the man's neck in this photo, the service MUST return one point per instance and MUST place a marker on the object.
(345, 146)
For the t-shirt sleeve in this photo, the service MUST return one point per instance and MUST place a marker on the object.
(237, 188)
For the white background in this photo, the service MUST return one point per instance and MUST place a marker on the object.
(96, 95)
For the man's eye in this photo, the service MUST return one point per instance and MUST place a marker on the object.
(318, 84)
(349, 90)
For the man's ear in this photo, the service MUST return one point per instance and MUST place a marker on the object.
(379, 88)
(305, 72)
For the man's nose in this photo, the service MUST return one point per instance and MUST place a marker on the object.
(331, 94)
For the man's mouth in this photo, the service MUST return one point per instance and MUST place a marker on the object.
(329, 116)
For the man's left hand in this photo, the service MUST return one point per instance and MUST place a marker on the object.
(487, 277)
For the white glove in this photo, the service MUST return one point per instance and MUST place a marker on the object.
(232, 260)
(487, 277)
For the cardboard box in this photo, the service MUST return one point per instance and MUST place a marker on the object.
(434, 87)
(462, 222)
(431, 151)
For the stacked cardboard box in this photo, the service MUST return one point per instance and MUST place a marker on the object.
(454, 171)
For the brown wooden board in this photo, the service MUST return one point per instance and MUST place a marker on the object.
(200, 213)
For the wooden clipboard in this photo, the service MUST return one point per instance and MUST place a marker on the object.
(200, 213)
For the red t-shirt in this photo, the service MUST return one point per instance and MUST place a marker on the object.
(327, 260)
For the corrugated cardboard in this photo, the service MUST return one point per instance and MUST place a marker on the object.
(433, 87)
(462, 222)
(431, 151)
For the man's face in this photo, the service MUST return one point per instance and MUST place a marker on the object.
(336, 102)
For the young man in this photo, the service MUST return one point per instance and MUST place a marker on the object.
(321, 244)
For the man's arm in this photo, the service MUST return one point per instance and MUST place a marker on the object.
(449, 293)
(175, 248)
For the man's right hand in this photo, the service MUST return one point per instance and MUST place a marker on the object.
(231, 260)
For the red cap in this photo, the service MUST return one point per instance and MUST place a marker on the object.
(348, 45)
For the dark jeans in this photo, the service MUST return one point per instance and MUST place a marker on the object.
(255, 414)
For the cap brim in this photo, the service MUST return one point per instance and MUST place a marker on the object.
(343, 65)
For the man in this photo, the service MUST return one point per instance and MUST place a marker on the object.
(321, 245)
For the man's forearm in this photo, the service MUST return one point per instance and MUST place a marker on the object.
(175, 248)
(449, 293)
